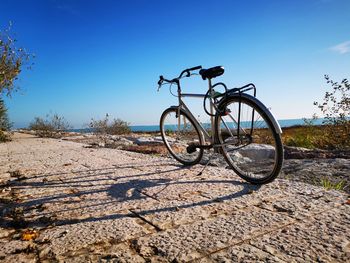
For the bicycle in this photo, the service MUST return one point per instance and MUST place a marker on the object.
(242, 129)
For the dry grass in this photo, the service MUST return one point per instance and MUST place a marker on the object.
(4, 136)
(152, 149)
(147, 149)
(318, 136)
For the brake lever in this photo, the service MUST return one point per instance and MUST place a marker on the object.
(160, 82)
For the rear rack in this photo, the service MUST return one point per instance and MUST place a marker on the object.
(227, 93)
(245, 88)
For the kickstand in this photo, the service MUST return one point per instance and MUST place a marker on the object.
(201, 172)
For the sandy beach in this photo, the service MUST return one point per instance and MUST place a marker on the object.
(62, 201)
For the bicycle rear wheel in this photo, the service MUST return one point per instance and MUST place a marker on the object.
(250, 142)
(180, 135)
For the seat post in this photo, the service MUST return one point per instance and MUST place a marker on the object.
(211, 111)
(180, 104)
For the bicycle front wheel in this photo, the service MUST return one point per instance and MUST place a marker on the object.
(180, 136)
(249, 141)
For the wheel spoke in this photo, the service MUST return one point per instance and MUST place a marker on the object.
(256, 154)
(179, 132)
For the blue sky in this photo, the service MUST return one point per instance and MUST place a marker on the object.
(97, 57)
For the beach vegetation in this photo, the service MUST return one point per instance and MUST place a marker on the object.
(51, 126)
(334, 133)
(12, 60)
(335, 106)
(335, 109)
(106, 126)
(5, 124)
(329, 185)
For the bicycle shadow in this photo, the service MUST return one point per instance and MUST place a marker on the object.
(134, 189)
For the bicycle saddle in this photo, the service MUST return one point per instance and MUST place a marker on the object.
(212, 72)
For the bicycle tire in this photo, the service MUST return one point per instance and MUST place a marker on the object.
(251, 161)
(178, 139)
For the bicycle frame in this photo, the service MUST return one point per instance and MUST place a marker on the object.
(241, 91)
(183, 106)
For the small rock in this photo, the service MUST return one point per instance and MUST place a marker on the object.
(283, 209)
(147, 141)
(6, 232)
(257, 151)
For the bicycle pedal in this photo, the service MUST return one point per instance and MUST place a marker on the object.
(191, 148)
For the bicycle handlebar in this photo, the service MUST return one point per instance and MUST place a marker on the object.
(176, 80)
(188, 71)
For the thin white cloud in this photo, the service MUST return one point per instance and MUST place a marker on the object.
(65, 6)
(341, 48)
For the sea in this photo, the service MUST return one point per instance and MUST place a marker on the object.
(155, 128)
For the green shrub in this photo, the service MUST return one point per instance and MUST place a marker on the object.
(4, 137)
(105, 126)
(12, 59)
(51, 126)
(335, 131)
(336, 103)
(304, 135)
(118, 126)
(329, 185)
(300, 140)
(335, 109)
(5, 124)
